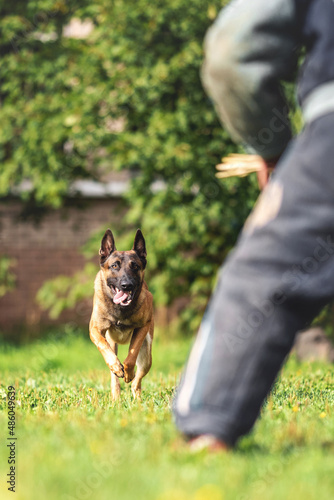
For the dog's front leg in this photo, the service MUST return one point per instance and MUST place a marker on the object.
(112, 361)
(136, 342)
(115, 386)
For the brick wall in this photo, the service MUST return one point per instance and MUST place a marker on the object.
(44, 249)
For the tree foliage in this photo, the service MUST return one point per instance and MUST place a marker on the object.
(127, 96)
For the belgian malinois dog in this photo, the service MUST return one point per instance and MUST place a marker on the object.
(123, 312)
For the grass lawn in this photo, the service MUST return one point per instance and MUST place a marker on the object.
(74, 443)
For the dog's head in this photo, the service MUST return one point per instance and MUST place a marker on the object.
(123, 271)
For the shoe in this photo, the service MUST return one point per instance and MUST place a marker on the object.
(207, 442)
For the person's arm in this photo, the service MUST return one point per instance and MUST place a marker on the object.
(249, 50)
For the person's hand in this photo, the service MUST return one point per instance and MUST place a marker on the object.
(240, 165)
(263, 174)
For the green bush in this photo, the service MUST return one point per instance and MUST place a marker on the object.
(127, 96)
(7, 276)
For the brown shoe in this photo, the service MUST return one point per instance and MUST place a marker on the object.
(207, 442)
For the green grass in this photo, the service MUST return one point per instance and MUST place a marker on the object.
(74, 443)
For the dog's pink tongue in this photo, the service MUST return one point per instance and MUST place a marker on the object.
(120, 297)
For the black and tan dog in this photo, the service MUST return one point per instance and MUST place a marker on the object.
(123, 312)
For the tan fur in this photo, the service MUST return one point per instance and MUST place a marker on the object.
(111, 325)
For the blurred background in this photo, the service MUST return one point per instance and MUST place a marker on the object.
(104, 123)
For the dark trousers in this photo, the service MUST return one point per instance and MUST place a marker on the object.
(275, 282)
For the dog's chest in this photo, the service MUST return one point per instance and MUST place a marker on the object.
(120, 332)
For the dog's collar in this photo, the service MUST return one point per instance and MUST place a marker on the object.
(120, 325)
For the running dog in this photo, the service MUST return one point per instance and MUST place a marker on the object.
(123, 312)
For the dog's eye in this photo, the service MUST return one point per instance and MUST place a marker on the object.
(115, 265)
(134, 266)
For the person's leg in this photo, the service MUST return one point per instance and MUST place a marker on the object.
(277, 279)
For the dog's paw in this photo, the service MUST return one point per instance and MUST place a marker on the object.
(129, 373)
(117, 369)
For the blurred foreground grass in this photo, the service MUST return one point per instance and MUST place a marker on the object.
(74, 443)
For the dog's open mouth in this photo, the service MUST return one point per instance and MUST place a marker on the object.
(121, 297)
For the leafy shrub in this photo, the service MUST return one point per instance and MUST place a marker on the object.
(127, 96)
(7, 276)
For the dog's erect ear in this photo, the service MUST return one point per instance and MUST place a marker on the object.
(139, 246)
(107, 246)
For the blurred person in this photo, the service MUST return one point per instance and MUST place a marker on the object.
(281, 273)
